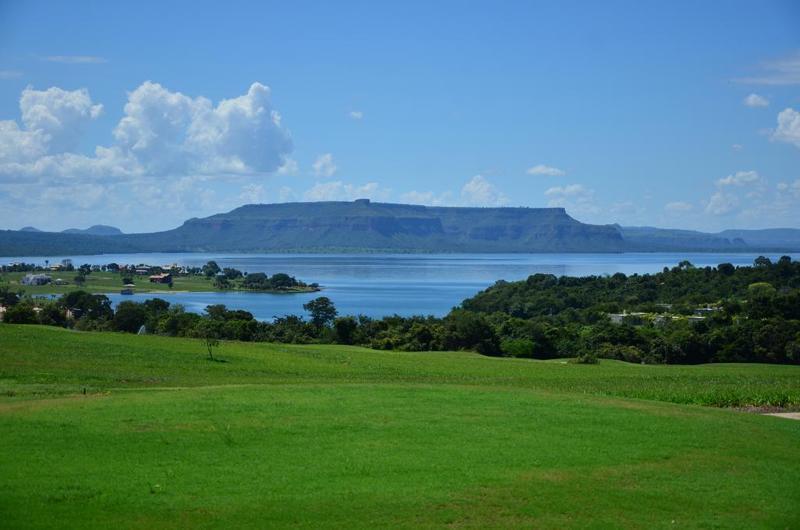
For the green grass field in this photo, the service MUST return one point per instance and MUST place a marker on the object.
(109, 282)
(333, 436)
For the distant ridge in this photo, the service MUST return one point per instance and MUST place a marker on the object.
(365, 226)
(649, 239)
(95, 230)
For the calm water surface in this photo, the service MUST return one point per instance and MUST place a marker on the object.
(386, 284)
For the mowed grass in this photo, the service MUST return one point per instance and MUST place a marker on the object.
(327, 436)
(106, 282)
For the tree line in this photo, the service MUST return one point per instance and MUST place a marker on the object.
(683, 314)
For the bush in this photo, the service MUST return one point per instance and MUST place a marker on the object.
(518, 347)
(587, 357)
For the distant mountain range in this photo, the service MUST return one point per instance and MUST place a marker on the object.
(364, 226)
(95, 230)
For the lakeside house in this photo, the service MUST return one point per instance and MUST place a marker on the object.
(639, 318)
(706, 311)
(36, 279)
(164, 277)
(631, 318)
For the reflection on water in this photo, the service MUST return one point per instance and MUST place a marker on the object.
(385, 284)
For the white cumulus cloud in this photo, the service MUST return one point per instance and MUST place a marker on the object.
(427, 198)
(722, 203)
(788, 127)
(162, 133)
(740, 178)
(480, 192)
(575, 198)
(339, 191)
(52, 122)
(324, 166)
(754, 100)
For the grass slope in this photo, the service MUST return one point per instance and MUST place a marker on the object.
(326, 436)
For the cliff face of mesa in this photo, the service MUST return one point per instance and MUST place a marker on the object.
(367, 226)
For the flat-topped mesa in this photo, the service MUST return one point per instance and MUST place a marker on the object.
(366, 226)
(376, 226)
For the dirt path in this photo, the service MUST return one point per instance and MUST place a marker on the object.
(788, 415)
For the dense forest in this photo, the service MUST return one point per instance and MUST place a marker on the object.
(683, 314)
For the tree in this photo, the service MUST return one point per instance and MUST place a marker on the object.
(92, 306)
(129, 316)
(80, 279)
(221, 282)
(322, 311)
(211, 269)
(21, 313)
(8, 297)
(282, 281)
(465, 330)
(208, 331)
(345, 329)
(762, 261)
(232, 274)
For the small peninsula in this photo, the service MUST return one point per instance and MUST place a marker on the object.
(64, 277)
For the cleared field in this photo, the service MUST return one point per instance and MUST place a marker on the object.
(327, 436)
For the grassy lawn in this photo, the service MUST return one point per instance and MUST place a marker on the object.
(109, 282)
(332, 436)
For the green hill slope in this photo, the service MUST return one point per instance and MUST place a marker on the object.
(333, 437)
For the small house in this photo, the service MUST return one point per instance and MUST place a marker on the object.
(36, 279)
(164, 277)
(627, 318)
(705, 311)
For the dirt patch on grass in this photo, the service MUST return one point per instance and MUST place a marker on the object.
(787, 415)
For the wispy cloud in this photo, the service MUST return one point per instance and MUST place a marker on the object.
(10, 74)
(547, 171)
(785, 71)
(75, 59)
(678, 207)
(356, 114)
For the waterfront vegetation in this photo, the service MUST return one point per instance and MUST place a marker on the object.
(682, 315)
(118, 430)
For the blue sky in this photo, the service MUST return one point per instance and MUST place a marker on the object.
(141, 115)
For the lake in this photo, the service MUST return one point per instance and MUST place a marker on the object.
(386, 284)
